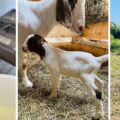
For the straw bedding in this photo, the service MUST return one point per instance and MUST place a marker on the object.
(96, 11)
(73, 103)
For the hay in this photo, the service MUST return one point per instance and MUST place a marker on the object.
(73, 103)
(96, 11)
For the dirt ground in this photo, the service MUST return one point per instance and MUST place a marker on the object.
(115, 87)
(73, 103)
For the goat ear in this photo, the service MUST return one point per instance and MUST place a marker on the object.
(40, 39)
(63, 12)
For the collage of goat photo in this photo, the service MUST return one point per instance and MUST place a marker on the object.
(63, 59)
(59, 60)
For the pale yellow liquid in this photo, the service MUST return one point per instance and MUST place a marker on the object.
(7, 113)
(7, 98)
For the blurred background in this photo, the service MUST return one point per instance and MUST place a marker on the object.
(7, 37)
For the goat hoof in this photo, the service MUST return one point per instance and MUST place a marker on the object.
(98, 116)
(28, 84)
(34, 87)
(95, 118)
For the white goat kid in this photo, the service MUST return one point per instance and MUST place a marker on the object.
(41, 16)
(77, 64)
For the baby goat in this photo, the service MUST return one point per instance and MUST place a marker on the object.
(77, 64)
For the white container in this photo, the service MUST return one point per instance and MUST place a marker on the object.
(7, 97)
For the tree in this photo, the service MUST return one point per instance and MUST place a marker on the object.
(115, 30)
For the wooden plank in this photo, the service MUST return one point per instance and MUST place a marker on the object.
(97, 51)
(97, 48)
(93, 40)
(97, 31)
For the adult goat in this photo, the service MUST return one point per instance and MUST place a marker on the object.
(41, 16)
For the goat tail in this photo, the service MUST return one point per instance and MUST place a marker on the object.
(102, 59)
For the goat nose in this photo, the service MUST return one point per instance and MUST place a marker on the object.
(81, 28)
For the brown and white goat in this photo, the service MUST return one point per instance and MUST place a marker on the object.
(41, 16)
(76, 64)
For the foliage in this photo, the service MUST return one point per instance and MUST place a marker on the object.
(115, 38)
(115, 30)
(115, 46)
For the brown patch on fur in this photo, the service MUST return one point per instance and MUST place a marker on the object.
(98, 94)
(23, 66)
(80, 59)
(40, 38)
(72, 3)
(35, 44)
(63, 11)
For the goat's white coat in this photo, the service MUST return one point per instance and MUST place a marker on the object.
(76, 64)
(37, 17)
(78, 15)
(34, 17)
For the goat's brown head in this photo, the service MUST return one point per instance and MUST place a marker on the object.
(34, 43)
(71, 13)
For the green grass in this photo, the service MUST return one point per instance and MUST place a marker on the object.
(115, 65)
(115, 87)
(115, 79)
(115, 46)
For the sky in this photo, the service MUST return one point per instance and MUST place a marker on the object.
(6, 5)
(115, 11)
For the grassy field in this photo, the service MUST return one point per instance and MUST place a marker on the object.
(115, 79)
(73, 103)
(115, 45)
(115, 87)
